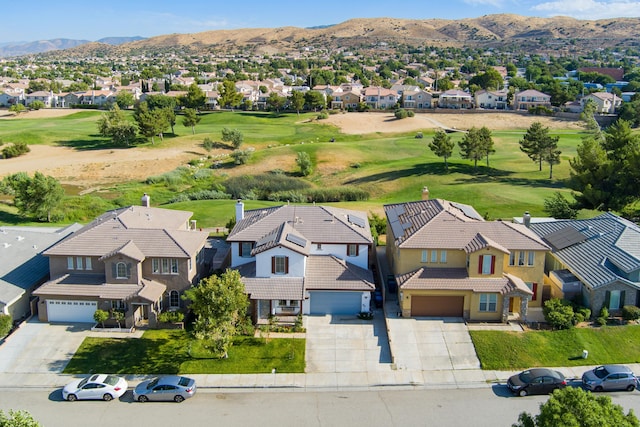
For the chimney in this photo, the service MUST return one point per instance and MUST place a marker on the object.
(526, 219)
(145, 200)
(425, 193)
(239, 210)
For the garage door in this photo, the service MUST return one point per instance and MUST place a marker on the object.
(335, 302)
(437, 306)
(71, 311)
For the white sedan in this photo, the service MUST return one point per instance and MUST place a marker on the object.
(97, 386)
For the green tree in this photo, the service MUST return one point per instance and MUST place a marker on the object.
(575, 407)
(191, 119)
(125, 99)
(588, 116)
(170, 117)
(442, 146)
(276, 102)
(486, 142)
(160, 101)
(471, 146)
(558, 313)
(229, 96)
(315, 100)
(36, 197)
(115, 125)
(304, 163)
(296, 100)
(195, 98)
(219, 304)
(490, 79)
(234, 136)
(36, 105)
(559, 207)
(17, 108)
(100, 316)
(17, 419)
(6, 322)
(150, 122)
(540, 146)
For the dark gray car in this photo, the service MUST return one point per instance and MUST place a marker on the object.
(610, 377)
(166, 388)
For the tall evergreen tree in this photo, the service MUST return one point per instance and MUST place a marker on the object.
(442, 146)
(471, 146)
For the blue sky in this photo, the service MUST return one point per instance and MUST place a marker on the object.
(89, 20)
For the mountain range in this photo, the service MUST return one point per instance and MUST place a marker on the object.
(504, 30)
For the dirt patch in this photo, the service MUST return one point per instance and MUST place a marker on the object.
(39, 114)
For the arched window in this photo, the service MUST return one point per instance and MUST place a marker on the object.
(174, 299)
(121, 270)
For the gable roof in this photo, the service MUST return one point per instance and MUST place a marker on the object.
(155, 232)
(606, 244)
(317, 224)
(283, 235)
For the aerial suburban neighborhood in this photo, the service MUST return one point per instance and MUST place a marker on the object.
(358, 208)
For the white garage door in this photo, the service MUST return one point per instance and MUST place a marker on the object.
(335, 302)
(71, 311)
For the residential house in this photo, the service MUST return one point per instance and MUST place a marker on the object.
(47, 98)
(416, 99)
(136, 259)
(492, 99)
(211, 99)
(345, 100)
(379, 98)
(594, 261)
(303, 260)
(10, 97)
(606, 103)
(530, 98)
(70, 99)
(455, 99)
(448, 261)
(23, 267)
(97, 97)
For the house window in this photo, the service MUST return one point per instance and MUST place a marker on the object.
(164, 265)
(443, 257)
(79, 263)
(512, 258)
(69, 263)
(174, 266)
(487, 264)
(174, 299)
(245, 249)
(615, 300)
(434, 256)
(190, 265)
(280, 264)
(87, 264)
(352, 249)
(488, 302)
(121, 270)
(117, 304)
(531, 258)
(319, 246)
(424, 255)
(521, 258)
(155, 265)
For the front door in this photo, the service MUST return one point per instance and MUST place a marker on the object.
(264, 308)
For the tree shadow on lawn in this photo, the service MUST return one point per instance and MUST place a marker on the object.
(504, 178)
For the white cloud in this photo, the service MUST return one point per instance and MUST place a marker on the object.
(590, 9)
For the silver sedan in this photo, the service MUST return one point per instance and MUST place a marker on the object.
(97, 386)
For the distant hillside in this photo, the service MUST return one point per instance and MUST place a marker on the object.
(529, 34)
(30, 48)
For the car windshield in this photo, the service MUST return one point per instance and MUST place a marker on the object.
(153, 383)
(83, 382)
(601, 372)
(525, 376)
(111, 380)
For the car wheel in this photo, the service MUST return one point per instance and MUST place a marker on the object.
(143, 399)
(72, 398)
(523, 393)
(631, 387)
(178, 399)
(599, 388)
(107, 397)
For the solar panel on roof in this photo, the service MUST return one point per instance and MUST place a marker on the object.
(356, 220)
(467, 210)
(564, 237)
(397, 229)
(296, 240)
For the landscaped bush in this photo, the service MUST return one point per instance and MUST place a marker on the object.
(177, 176)
(323, 115)
(5, 324)
(558, 313)
(401, 113)
(14, 150)
(337, 194)
(171, 317)
(262, 185)
(585, 312)
(541, 110)
(288, 196)
(630, 312)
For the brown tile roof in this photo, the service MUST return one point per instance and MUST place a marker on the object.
(284, 235)
(457, 279)
(89, 286)
(328, 272)
(277, 287)
(129, 250)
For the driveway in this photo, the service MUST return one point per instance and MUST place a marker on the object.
(338, 343)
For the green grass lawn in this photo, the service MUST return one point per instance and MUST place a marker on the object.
(168, 352)
(513, 350)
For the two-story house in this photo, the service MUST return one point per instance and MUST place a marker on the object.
(596, 261)
(455, 99)
(492, 99)
(303, 259)
(448, 261)
(137, 259)
(345, 100)
(416, 98)
(379, 98)
(606, 103)
(530, 98)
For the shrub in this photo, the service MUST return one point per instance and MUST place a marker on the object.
(578, 318)
(171, 317)
(323, 115)
(630, 312)
(14, 150)
(410, 113)
(241, 157)
(245, 327)
(585, 312)
(401, 113)
(207, 144)
(604, 312)
(540, 110)
(337, 194)
(5, 324)
(601, 321)
(558, 313)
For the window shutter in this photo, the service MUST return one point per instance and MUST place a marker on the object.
(607, 299)
(493, 264)
(114, 270)
(239, 248)
(128, 270)
(286, 265)
(480, 262)
(273, 265)
(535, 292)
(357, 250)
(622, 295)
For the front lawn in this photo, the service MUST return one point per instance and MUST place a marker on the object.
(168, 352)
(518, 350)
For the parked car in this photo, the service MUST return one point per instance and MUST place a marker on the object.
(377, 298)
(169, 387)
(96, 386)
(392, 285)
(610, 377)
(536, 381)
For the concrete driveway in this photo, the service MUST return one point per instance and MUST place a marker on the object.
(338, 343)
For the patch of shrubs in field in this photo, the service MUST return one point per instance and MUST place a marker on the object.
(15, 149)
